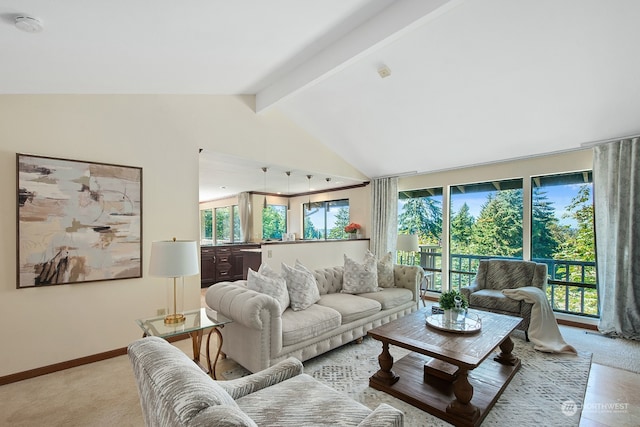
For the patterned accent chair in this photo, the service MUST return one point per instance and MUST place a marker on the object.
(175, 392)
(494, 275)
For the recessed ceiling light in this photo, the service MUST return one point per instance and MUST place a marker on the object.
(28, 24)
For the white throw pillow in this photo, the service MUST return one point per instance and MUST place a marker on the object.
(385, 270)
(360, 278)
(275, 287)
(302, 287)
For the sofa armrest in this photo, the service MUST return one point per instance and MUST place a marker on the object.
(408, 277)
(384, 415)
(277, 373)
(241, 304)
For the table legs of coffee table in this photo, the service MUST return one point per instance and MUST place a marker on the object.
(506, 357)
(385, 375)
(463, 391)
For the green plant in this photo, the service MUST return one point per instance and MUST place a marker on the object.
(448, 300)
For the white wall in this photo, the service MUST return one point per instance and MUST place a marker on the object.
(313, 255)
(161, 134)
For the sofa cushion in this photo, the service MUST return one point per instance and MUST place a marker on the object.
(271, 284)
(329, 279)
(298, 326)
(303, 291)
(302, 401)
(390, 297)
(359, 278)
(385, 271)
(494, 299)
(350, 307)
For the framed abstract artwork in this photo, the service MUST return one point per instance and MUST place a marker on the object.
(77, 221)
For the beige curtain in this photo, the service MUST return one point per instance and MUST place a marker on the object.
(384, 215)
(244, 210)
(616, 177)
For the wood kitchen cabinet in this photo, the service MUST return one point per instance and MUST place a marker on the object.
(222, 263)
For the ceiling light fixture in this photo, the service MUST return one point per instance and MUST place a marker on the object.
(384, 71)
(28, 24)
(288, 191)
(309, 178)
(264, 204)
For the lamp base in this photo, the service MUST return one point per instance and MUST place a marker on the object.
(172, 319)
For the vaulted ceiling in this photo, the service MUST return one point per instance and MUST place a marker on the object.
(470, 81)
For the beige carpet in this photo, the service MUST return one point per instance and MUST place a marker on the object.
(104, 393)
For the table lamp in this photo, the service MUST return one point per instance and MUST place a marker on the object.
(174, 259)
(407, 243)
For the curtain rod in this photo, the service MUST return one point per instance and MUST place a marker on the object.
(605, 141)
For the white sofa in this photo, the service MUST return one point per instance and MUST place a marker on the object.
(260, 336)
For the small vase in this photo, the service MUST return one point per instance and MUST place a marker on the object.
(450, 317)
(352, 236)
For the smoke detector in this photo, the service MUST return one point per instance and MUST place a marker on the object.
(28, 24)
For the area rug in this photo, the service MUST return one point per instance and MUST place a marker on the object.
(548, 389)
(617, 353)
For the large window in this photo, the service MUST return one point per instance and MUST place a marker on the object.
(326, 220)
(274, 222)
(237, 233)
(420, 212)
(485, 222)
(206, 227)
(562, 236)
(223, 225)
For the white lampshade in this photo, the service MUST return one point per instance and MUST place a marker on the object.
(407, 243)
(175, 258)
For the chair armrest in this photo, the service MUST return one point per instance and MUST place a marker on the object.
(468, 290)
(240, 304)
(275, 374)
(384, 415)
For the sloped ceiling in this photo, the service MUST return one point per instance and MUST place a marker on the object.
(472, 81)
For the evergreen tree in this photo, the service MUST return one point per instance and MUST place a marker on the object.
(543, 224)
(461, 230)
(422, 216)
(498, 229)
(342, 220)
(273, 223)
(581, 245)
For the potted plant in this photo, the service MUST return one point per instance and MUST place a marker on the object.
(453, 303)
(352, 229)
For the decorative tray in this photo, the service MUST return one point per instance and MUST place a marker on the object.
(468, 323)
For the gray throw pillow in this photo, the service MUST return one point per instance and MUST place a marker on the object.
(302, 287)
(272, 285)
(385, 271)
(360, 278)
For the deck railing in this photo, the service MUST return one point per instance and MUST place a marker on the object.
(571, 286)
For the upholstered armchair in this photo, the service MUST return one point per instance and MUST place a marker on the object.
(494, 275)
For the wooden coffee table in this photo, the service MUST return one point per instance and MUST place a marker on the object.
(447, 374)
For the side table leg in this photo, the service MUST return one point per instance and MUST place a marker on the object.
(196, 342)
(463, 391)
(385, 375)
(212, 368)
(506, 357)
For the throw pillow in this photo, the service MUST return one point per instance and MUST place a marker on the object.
(360, 278)
(302, 287)
(275, 287)
(385, 271)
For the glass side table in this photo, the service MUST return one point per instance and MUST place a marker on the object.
(196, 322)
